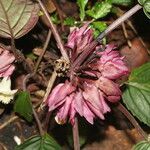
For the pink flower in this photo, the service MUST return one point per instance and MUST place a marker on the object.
(92, 85)
(6, 59)
(111, 65)
(78, 39)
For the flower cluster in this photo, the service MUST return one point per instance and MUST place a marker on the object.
(6, 70)
(92, 85)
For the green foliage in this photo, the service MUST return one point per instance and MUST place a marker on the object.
(137, 94)
(17, 17)
(54, 18)
(23, 105)
(122, 2)
(82, 4)
(143, 145)
(69, 21)
(45, 142)
(146, 7)
(99, 10)
(99, 27)
(142, 1)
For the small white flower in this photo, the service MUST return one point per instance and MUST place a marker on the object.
(6, 94)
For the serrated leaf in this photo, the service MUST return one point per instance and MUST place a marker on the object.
(137, 94)
(142, 1)
(23, 105)
(82, 4)
(17, 17)
(143, 145)
(45, 142)
(99, 10)
(100, 26)
(146, 13)
(122, 2)
(69, 21)
(55, 19)
(147, 6)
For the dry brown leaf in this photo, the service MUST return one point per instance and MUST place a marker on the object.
(136, 55)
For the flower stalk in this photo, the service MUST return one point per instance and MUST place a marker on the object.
(133, 121)
(76, 135)
(54, 31)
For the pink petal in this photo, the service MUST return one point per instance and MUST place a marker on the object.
(8, 72)
(113, 99)
(72, 113)
(105, 108)
(56, 98)
(89, 116)
(6, 59)
(108, 86)
(91, 95)
(78, 102)
(63, 112)
(96, 111)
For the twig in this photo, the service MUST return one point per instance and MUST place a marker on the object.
(120, 12)
(54, 31)
(126, 35)
(76, 135)
(135, 31)
(43, 52)
(60, 13)
(132, 120)
(38, 122)
(33, 110)
(49, 87)
(13, 118)
(115, 24)
(38, 61)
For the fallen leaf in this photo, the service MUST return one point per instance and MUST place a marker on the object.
(136, 55)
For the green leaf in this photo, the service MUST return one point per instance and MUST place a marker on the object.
(122, 2)
(82, 4)
(69, 21)
(143, 145)
(137, 94)
(142, 1)
(23, 105)
(54, 18)
(100, 26)
(45, 142)
(146, 8)
(17, 17)
(99, 10)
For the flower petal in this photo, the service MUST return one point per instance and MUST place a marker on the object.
(78, 102)
(62, 115)
(88, 114)
(108, 87)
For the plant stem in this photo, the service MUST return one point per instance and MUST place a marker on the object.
(132, 120)
(28, 76)
(10, 120)
(49, 87)
(115, 24)
(76, 135)
(38, 122)
(54, 31)
(43, 52)
(119, 21)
